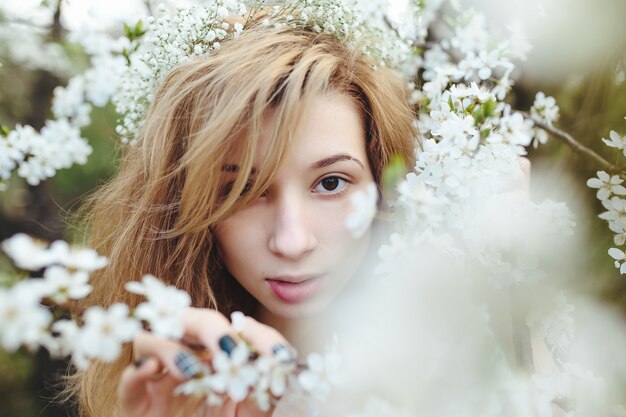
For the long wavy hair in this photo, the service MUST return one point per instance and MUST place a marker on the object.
(158, 214)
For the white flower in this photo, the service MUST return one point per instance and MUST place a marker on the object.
(606, 185)
(320, 374)
(555, 325)
(616, 141)
(620, 259)
(233, 374)
(105, 331)
(63, 285)
(163, 308)
(64, 339)
(363, 210)
(515, 129)
(27, 253)
(204, 386)
(237, 319)
(23, 321)
(82, 259)
(276, 370)
(545, 109)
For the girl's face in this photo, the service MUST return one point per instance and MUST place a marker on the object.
(290, 247)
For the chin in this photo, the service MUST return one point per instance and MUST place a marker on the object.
(297, 311)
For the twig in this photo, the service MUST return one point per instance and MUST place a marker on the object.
(521, 333)
(148, 4)
(572, 142)
(421, 45)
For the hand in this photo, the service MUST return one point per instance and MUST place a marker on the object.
(146, 389)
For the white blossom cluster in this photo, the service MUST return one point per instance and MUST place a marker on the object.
(466, 195)
(39, 155)
(33, 51)
(265, 380)
(26, 320)
(611, 194)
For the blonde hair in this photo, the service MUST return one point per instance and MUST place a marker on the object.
(158, 214)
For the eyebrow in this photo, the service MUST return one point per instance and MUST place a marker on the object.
(322, 163)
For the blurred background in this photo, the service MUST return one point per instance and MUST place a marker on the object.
(578, 56)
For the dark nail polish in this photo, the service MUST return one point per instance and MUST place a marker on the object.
(188, 365)
(227, 344)
(140, 361)
(285, 352)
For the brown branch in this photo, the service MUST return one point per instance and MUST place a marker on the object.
(572, 142)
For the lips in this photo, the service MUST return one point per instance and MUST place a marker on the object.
(295, 289)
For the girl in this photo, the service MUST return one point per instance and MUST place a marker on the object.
(237, 192)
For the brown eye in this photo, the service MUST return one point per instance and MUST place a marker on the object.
(330, 185)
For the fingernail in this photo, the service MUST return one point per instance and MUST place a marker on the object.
(187, 364)
(227, 344)
(140, 361)
(283, 353)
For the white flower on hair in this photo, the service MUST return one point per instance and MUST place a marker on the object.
(616, 141)
(363, 210)
(23, 320)
(234, 375)
(163, 308)
(620, 259)
(63, 285)
(105, 331)
(321, 373)
(607, 185)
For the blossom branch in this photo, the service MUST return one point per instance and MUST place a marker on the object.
(572, 142)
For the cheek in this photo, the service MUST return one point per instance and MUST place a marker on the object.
(238, 241)
(334, 237)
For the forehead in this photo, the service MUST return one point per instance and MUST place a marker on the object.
(331, 124)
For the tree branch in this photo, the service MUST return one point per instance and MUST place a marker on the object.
(572, 142)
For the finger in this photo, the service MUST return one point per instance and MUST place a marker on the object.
(133, 387)
(173, 356)
(265, 339)
(207, 327)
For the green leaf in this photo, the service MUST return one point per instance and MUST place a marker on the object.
(139, 31)
(488, 108)
(128, 32)
(4, 131)
(393, 173)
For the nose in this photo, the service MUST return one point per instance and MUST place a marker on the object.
(291, 235)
